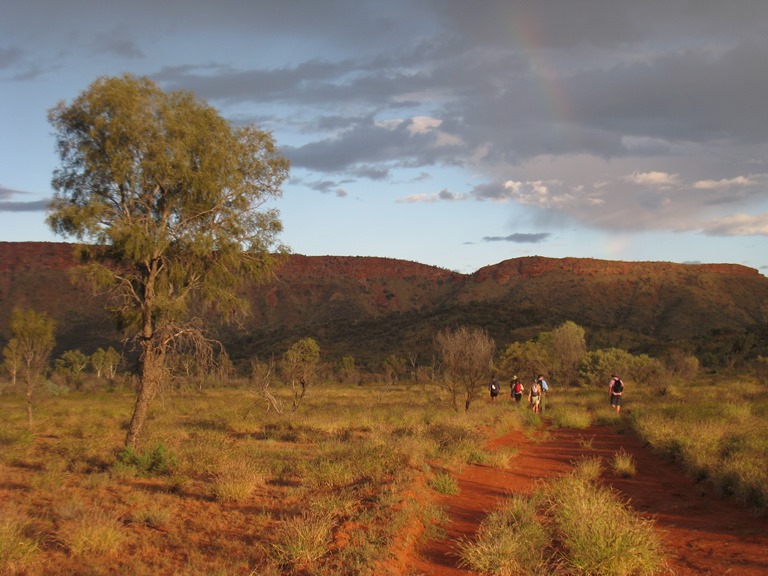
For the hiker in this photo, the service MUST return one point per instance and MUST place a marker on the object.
(544, 388)
(516, 389)
(534, 396)
(494, 387)
(616, 388)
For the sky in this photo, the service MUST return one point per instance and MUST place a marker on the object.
(453, 133)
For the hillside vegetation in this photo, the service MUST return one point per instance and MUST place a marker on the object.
(373, 307)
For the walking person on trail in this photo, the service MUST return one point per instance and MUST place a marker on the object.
(494, 388)
(617, 389)
(517, 389)
(534, 396)
(544, 387)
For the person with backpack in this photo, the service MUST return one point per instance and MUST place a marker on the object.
(534, 396)
(617, 389)
(494, 387)
(517, 389)
(544, 388)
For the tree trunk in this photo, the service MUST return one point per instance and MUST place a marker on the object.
(150, 378)
(29, 402)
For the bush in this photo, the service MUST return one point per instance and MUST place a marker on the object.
(158, 461)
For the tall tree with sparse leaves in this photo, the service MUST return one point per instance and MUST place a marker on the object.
(170, 201)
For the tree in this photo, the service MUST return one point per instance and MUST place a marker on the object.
(34, 334)
(299, 367)
(392, 366)
(169, 198)
(105, 363)
(529, 358)
(567, 348)
(346, 369)
(467, 358)
(71, 365)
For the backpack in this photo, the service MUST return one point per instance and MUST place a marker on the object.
(618, 386)
(518, 387)
(535, 389)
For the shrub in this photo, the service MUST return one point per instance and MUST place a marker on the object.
(92, 532)
(236, 480)
(157, 461)
(302, 541)
(445, 484)
(599, 534)
(510, 541)
(623, 464)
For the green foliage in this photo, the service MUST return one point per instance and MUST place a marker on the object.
(34, 335)
(157, 461)
(299, 366)
(347, 370)
(598, 365)
(525, 358)
(567, 349)
(444, 483)
(71, 365)
(165, 193)
(105, 363)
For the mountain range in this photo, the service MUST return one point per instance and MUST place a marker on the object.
(370, 307)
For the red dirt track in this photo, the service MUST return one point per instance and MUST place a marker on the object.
(703, 533)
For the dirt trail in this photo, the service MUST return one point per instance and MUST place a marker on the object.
(704, 534)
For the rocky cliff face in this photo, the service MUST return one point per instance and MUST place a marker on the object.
(377, 306)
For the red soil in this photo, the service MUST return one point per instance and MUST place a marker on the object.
(703, 533)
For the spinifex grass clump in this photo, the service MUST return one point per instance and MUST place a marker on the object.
(94, 532)
(511, 541)
(569, 526)
(444, 483)
(599, 533)
(623, 464)
(17, 548)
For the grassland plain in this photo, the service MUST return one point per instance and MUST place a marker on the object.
(223, 486)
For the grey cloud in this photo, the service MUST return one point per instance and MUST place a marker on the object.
(35, 206)
(519, 238)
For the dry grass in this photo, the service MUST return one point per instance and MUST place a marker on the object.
(219, 485)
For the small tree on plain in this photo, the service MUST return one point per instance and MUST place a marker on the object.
(467, 359)
(34, 334)
(299, 367)
(347, 370)
(71, 365)
(567, 349)
(170, 199)
(105, 363)
(525, 359)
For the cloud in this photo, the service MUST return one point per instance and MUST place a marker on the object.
(34, 206)
(655, 179)
(442, 196)
(724, 183)
(519, 238)
(738, 225)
